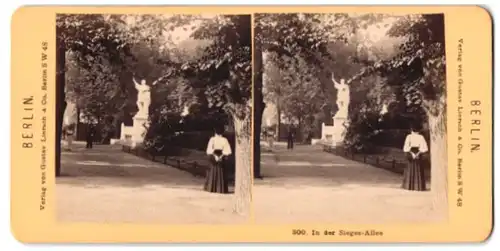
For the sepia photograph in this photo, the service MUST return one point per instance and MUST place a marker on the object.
(257, 124)
(350, 118)
(154, 116)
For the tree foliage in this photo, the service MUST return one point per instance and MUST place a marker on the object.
(95, 90)
(420, 64)
(327, 42)
(225, 66)
(295, 90)
(92, 36)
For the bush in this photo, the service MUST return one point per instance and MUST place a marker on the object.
(361, 132)
(368, 131)
(176, 145)
(172, 134)
(161, 135)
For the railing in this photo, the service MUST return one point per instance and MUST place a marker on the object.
(196, 168)
(384, 161)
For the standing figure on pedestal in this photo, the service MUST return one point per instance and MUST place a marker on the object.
(141, 118)
(343, 97)
(143, 97)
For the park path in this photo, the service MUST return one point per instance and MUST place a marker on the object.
(309, 185)
(105, 184)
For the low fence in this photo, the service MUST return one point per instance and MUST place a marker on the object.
(194, 167)
(197, 168)
(393, 161)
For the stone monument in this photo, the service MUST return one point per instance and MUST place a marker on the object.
(143, 98)
(335, 134)
(343, 98)
(70, 113)
(133, 135)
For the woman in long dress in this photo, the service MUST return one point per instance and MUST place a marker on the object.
(218, 149)
(415, 148)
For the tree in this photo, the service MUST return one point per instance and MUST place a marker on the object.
(286, 35)
(420, 68)
(230, 57)
(295, 91)
(91, 35)
(95, 90)
(422, 58)
(223, 73)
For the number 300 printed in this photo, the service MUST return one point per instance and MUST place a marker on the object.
(299, 232)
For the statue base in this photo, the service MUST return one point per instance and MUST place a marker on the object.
(135, 134)
(334, 135)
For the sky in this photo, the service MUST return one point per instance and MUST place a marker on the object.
(179, 34)
(376, 35)
(377, 32)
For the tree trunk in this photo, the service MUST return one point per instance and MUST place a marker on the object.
(259, 106)
(299, 132)
(243, 161)
(439, 162)
(60, 98)
(77, 120)
(278, 128)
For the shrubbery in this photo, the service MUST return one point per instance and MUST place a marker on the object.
(369, 132)
(171, 134)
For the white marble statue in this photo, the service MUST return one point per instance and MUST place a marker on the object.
(343, 97)
(143, 97)
(144, 94)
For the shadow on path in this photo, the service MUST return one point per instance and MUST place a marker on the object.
(107, 185)
(109, 166)
(309, 165)
(307, 185)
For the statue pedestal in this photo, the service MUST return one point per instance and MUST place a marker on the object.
(339, 129)
(334, 135)
(141, 125)
(134, 135)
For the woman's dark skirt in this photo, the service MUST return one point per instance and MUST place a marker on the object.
(414, 178)
(216, 181)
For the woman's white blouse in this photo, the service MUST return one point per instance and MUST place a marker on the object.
(218, 143)
(415, 140)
